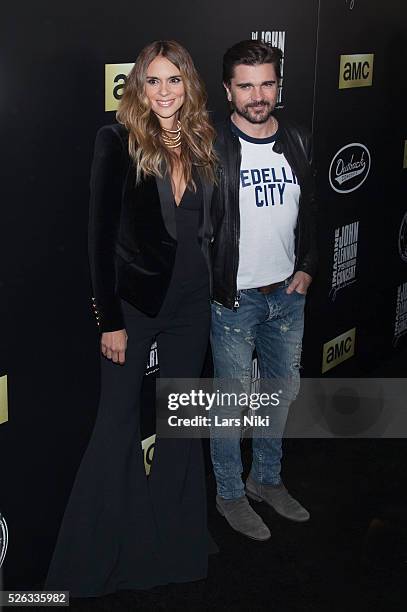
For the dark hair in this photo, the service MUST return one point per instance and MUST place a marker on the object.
(251, 53)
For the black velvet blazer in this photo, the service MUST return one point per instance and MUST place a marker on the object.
(132, 232)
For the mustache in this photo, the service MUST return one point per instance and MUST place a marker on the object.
(256, 104)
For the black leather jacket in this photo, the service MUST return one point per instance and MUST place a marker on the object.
(295, 143)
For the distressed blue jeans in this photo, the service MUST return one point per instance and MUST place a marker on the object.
(272, 324)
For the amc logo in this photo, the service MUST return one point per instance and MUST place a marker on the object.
(356, 71)
(337, 350)
(148, 450)
(115, 79)
(3, 400)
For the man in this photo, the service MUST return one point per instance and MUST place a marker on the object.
(264, 258)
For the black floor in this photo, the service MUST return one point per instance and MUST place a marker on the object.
(351, 555)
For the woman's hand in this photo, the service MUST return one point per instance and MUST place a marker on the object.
(113, 345)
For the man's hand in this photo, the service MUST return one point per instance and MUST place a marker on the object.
(113, 345)
(300, 283)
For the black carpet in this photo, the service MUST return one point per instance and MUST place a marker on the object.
(351, 555)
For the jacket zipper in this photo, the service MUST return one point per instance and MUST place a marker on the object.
(237, 232)
(298, 238)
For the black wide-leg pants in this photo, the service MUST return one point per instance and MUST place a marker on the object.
(122, 529)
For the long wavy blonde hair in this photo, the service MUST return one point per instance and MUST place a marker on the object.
(145, 144)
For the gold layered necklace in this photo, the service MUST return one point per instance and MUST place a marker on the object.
(172, 138)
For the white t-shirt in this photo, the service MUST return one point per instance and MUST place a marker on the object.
(268, 201)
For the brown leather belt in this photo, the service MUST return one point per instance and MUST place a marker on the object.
(269, 288)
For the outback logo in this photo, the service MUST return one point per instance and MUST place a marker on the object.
(349, 168)
(356, 70)
(337, 350)
(403, 238)
(3, 539)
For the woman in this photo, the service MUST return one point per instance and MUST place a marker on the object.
(151, 185)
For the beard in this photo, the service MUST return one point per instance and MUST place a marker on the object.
(258, 112)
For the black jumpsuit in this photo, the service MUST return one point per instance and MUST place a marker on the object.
(122, 529)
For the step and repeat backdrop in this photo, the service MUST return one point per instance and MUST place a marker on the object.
(342, 77)
(357, 310)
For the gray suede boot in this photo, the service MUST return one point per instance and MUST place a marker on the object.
(241, 517)
(278, 498)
